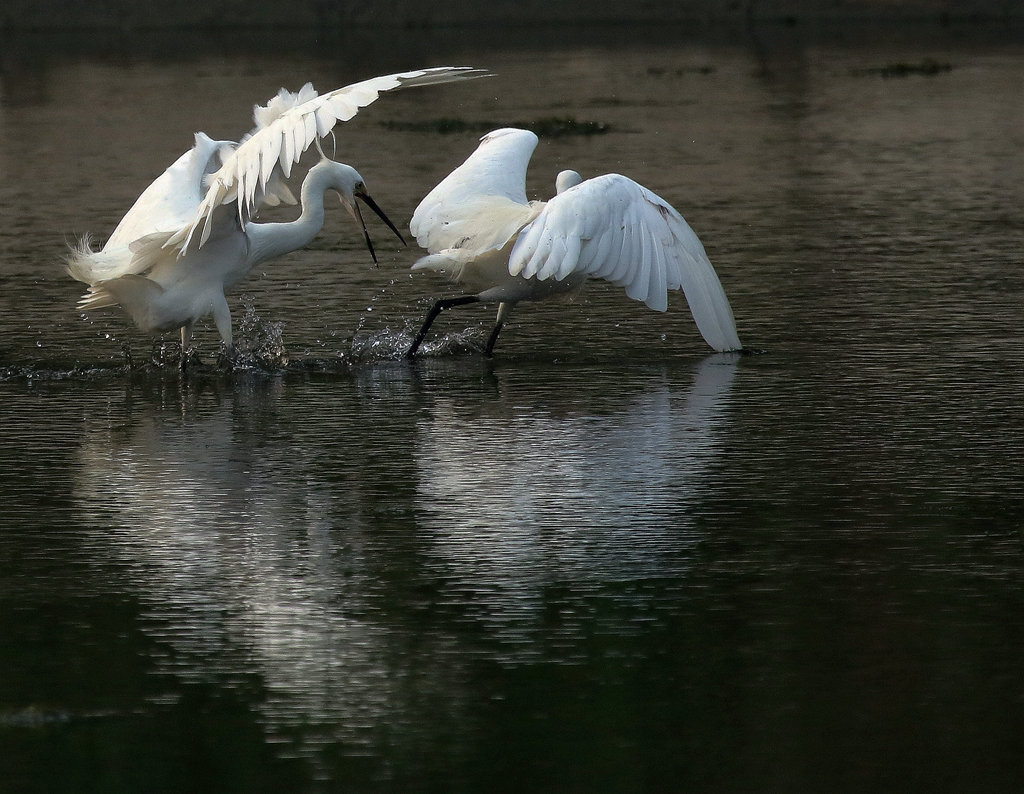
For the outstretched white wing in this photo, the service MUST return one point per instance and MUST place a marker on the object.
(482, 204)
(612, 228)
(172, 199)
(169, 203)
(286, 127)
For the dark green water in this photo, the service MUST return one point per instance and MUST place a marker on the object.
(605, 560)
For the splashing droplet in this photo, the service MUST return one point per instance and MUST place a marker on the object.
(260, 344)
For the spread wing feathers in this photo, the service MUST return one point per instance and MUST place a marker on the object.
(482, 204)
(285, 128)
(171, 201)
(612, 228)
(164, 207)
(149, 251)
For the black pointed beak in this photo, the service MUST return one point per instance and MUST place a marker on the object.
(365, 197)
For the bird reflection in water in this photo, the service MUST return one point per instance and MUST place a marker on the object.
(258, 540)
(521, 494)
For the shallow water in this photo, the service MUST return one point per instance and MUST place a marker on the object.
(604, 560)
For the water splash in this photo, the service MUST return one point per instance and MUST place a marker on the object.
(384, 344)
(389, 344)
(165, 354)
(259, 343)
(468, 340)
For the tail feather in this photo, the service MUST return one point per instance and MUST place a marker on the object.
(90, 267)
(79, 261)
(98, 297)
(137, 295)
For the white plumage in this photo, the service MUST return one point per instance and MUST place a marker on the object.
(286, 127)
(166, 277)
(480, 229)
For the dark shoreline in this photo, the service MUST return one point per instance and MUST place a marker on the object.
(423, 14)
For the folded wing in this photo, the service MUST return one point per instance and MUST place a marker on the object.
(482, 204)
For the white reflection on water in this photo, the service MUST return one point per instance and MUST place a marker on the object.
(225, 537)
(252, 555)
(524, 493)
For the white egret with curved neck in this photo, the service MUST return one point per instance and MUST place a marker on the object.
(481, 231)
(190, 236)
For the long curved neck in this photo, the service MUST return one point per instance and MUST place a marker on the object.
(271, 240)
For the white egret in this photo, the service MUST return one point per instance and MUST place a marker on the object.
(481, 231)
(190, 236)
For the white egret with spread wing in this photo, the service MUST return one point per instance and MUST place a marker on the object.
(481, 231)
(190, 236)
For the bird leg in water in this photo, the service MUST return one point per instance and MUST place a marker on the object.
(436, 309)
(227, 357)
(186, 341)
(504, 309)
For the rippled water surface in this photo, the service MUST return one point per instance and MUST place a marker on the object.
(605, 560)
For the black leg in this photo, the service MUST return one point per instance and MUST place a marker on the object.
(489, 352)
(436, 309)
(504, 310)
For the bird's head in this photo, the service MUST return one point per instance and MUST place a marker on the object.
(349, 185)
